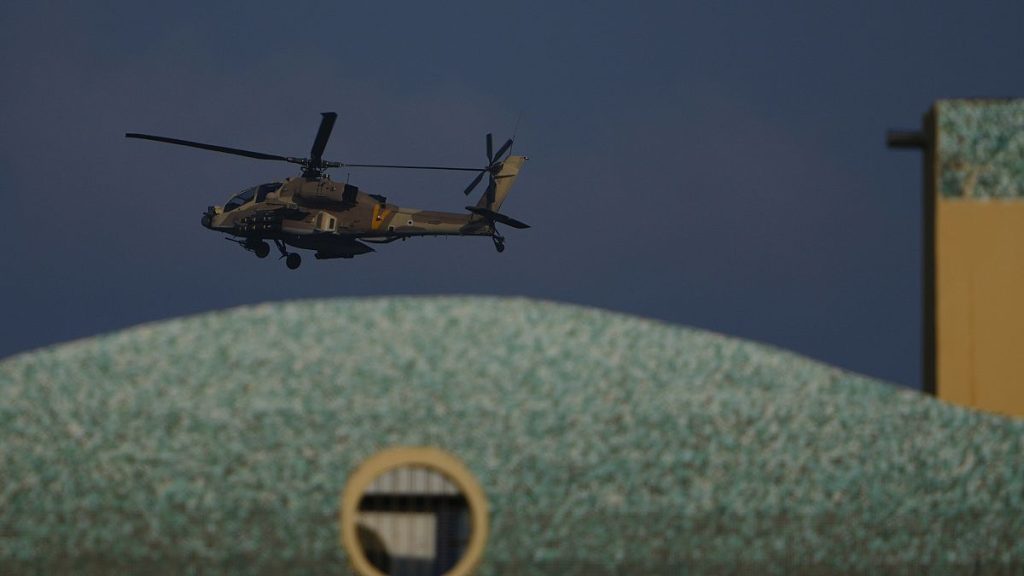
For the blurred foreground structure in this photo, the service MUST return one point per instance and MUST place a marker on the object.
(974, 251)
(509, 436)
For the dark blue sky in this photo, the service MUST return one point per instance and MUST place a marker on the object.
(715, 165)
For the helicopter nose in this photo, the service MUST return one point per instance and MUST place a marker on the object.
(207, 220)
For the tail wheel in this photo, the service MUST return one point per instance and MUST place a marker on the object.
(293, 261)
(261, 249)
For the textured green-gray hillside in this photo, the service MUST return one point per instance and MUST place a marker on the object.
(603, 442)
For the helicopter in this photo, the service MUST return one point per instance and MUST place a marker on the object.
(338, 220)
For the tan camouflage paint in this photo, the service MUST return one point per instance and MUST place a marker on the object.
(364, 217)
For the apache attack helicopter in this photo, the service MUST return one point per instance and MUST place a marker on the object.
(336, 219)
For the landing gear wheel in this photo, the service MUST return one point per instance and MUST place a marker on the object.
(499, 243)
(293, 261)
(261, 250)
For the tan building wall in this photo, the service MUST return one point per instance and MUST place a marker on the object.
(980, 303)
(975, 183)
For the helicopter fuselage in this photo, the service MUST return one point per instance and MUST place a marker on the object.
(331, 218)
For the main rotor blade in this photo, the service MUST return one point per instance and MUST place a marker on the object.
(474, 183)
(213, 147)
(490, 148)
(322, 135)
(411, 167)
(504, 147)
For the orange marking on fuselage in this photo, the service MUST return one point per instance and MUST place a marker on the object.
(378, 217)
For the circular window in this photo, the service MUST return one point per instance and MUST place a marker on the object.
(413, 511)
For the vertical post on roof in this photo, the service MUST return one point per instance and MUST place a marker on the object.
(924, 140)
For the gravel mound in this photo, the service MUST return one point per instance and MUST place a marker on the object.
(605, 444)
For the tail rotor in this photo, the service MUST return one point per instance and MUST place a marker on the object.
(494, 162)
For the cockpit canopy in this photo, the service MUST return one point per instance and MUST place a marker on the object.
(245, 196)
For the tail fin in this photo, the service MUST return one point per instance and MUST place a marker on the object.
(495, 195)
